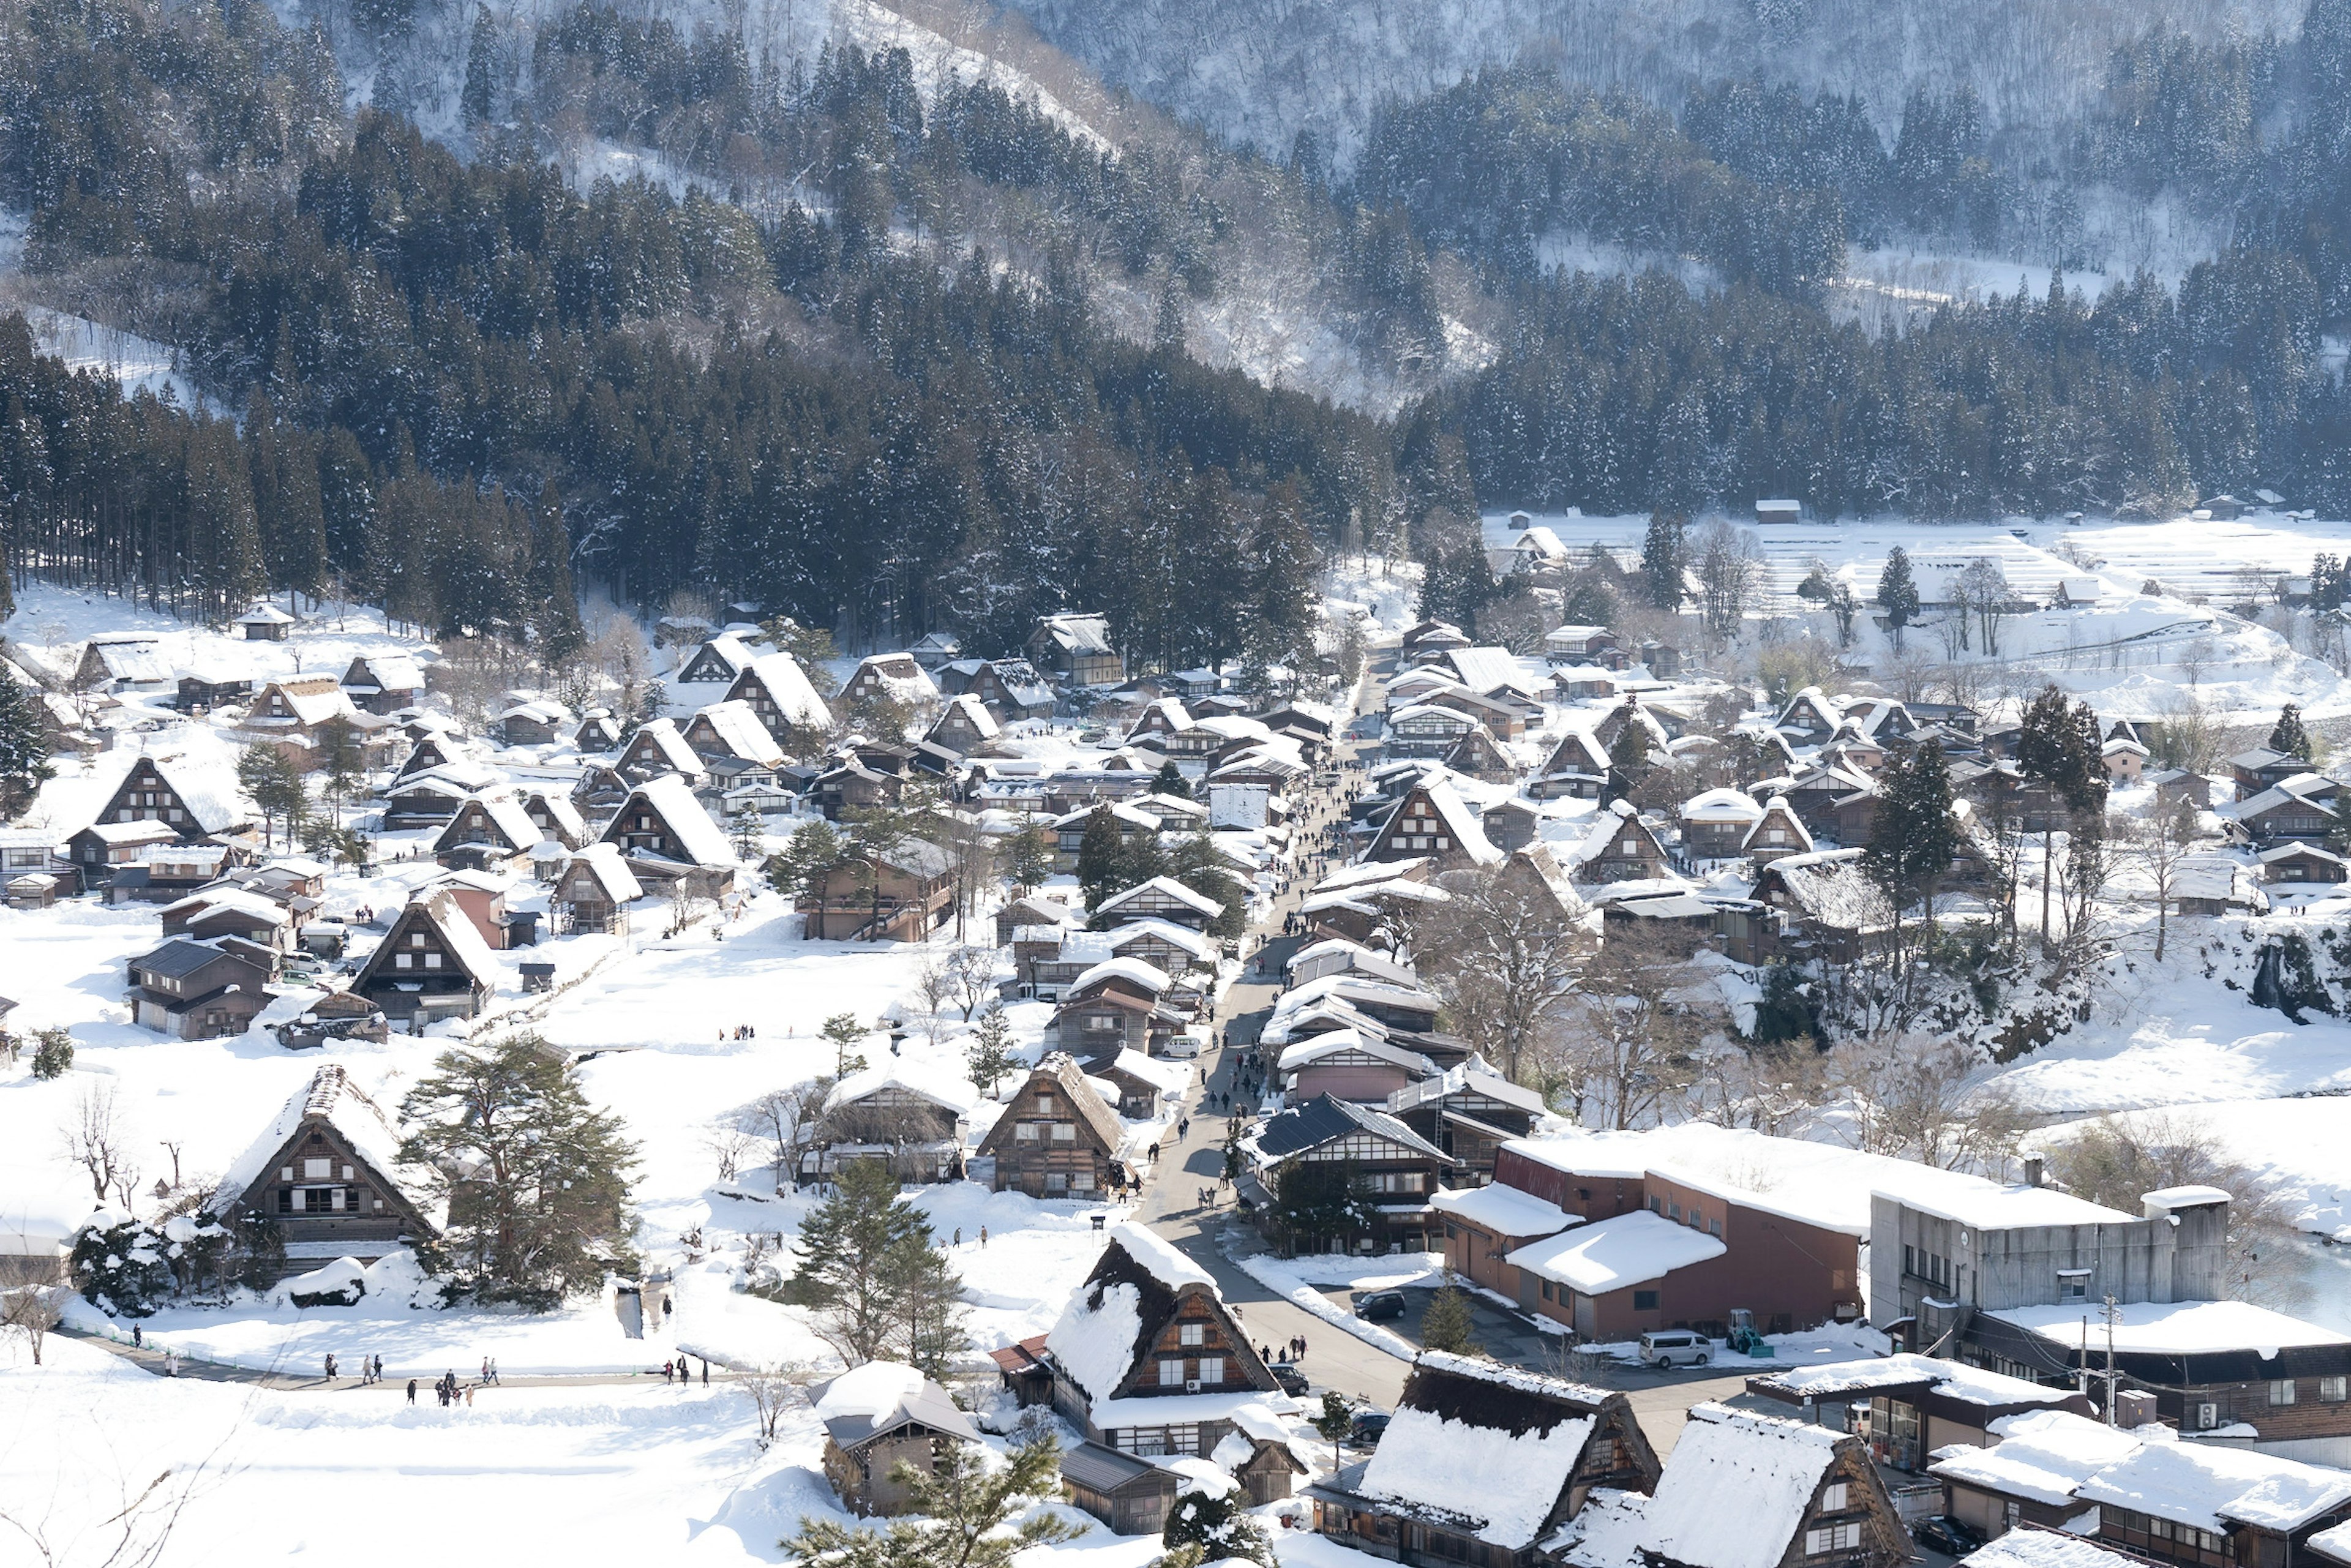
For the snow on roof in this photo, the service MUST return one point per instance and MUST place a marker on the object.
(1722, 806)
(876, 1388)
(208, 790)
(1094, 1338)
(1950, 1379)
(1483, 669)
(2190, 1197)
(1625, 1249)
(1167, 885)
(1460, 821)
(1991, 1206)
(604, 861)
(333, 1097)
(1159, 1258)
(1502, 1484)
(975, 714)
(1505, 1211)
(941, 1086)
(2029, 1547)
(234, 898)
(2180, 1328)
(2042, 1455)
(672, 798)
(1370, 872)
(1203, 948)
(1170, 1077)
(392, 671)
(789, 685)
(737, 728)
(2210, 1488)
(1137, 971)
(1773, 1467)
(265, 615)
(1332, 1042)
(135, 660)
(2332, 1544)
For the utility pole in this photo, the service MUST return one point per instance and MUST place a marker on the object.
(2113, 1312)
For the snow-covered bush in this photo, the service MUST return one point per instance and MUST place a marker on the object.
(129, 1267)
(1220, 1526)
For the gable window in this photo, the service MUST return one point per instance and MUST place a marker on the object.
(1832, 1538)
(1171, 1374)
(1065, 1133)
(1832, 1497)
(1212, 1369)
(1192, 1334)
(1025, 1132)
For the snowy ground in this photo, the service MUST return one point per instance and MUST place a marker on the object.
(2133, 654)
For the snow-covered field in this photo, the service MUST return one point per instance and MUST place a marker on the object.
(2133, 654)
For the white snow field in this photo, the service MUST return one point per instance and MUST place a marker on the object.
(2133, 654)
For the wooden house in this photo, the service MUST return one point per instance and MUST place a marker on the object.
(905, 895)
(877, 1417)
(2301, 863)
(592, 893)
(230, 911)
(1716, 822)
(203, 690)
(122, 662)
(1479, 756)
(1160, 898)
(732, 730)
(656, 750)
(1431, 822)
(1114, 1006)
(1577, 769)
(889, 677)
(1162, 716)
(599, 732)
(1076, 648)
(539, 722)
(933, 649)
(383, 683)
(1009, 688)
(715, 661)
(98, 850)
(1746, 1489)
(2174, 785)
(913, 1122)
(1544, 1446)
(2301, 807)
(1130, 1495)
(199, 991)
(1577, 644)
(1355, 1064)
(165, 874)
(1810, 717)
(1779, 831)
(1396, 1168)
(780, 696)
(1058, 1138)
(1825, 903)
(2261, 768)
(264, 623)
(487, 831)
(1620, 846)
(429, 800)
(196, 801)
(1031, 911)
(1510, 825)
(1469, 1112)
(964, 726)
(669, 840)
(433, 964)
(325, 1176)
(425, 754)
(1147, 1360)
(1506, 719)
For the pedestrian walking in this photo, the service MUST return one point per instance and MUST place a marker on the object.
(494, 1371)
(378, 1369)
(469, 1397)
(170, 1364)
(705, 1372)
(138, 1337)
(667, 1367)
(330, 1366)
(982, 1229)
(411, 1391)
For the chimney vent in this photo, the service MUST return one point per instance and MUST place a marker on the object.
(2032, 1171)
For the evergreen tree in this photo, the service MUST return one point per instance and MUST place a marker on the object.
(1198, 865)
(1028, 858)
(867, 1270)
(2057, 747)
(270, 775)
(1663, 556)
(535, 1178)
(24, 763)
(989, 1056)
(2288, 737)
(1102, 857)
(1448, 1324)
(1898, 593)
(1170, 780)
(1628, 762)
(554, 604)
(959, 1514)
(1914, 835)
(1219, 1527)
(481, 49)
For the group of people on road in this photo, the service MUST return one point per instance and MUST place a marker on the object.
(683, 1373)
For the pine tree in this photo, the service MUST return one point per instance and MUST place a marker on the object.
(536, 1177)
(853, 1259)
(1663, 558)
(2057, 747)
(1220, 1528)
(989, 1056)
(1898, 593)
(1914, 835)
(271, 775)
(959, 1515)
(25, 764)
(554, 602)
(1170, 780)
(481, 50)
(1028, 858)
(2288, 737)
(1100, 858)
(843, 1031)
(1448, 1324)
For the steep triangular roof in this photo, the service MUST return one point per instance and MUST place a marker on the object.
(330, 1099)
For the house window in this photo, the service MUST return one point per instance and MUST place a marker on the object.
(432, 960)
(1212, 1369)
(1832, 1497)
(1832, 1538)
(2334, 1390)
(416, 938)
(1192, 1334)
(2282, 1391)
(1026, 1132)
(1171, 1374)
(402, 961)
(2073, 1284)
(1065, 1133)
(1645, 1301)
(1044, 1105)
(317, 1170)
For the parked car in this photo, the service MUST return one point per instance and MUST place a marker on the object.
(1662, 1348)
(1952, 1537)
(1380, 1306)
(1287, 1378)
(1367, 1428)
(1181, 1047)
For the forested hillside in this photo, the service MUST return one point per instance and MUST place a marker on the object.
(889, 345)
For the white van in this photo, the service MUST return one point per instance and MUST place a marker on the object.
(1675, 1347)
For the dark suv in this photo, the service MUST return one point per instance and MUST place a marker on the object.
(1379, 1306)
(1290, 1380)
(1367, 1428)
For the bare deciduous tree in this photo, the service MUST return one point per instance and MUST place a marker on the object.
(1503, 953)
(1627, 1048)
(787, 1118)
(2159, 845)
(93, 1138)
(30, 1312)
(774, 1391)
(1910, 1096)
(973, 970)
